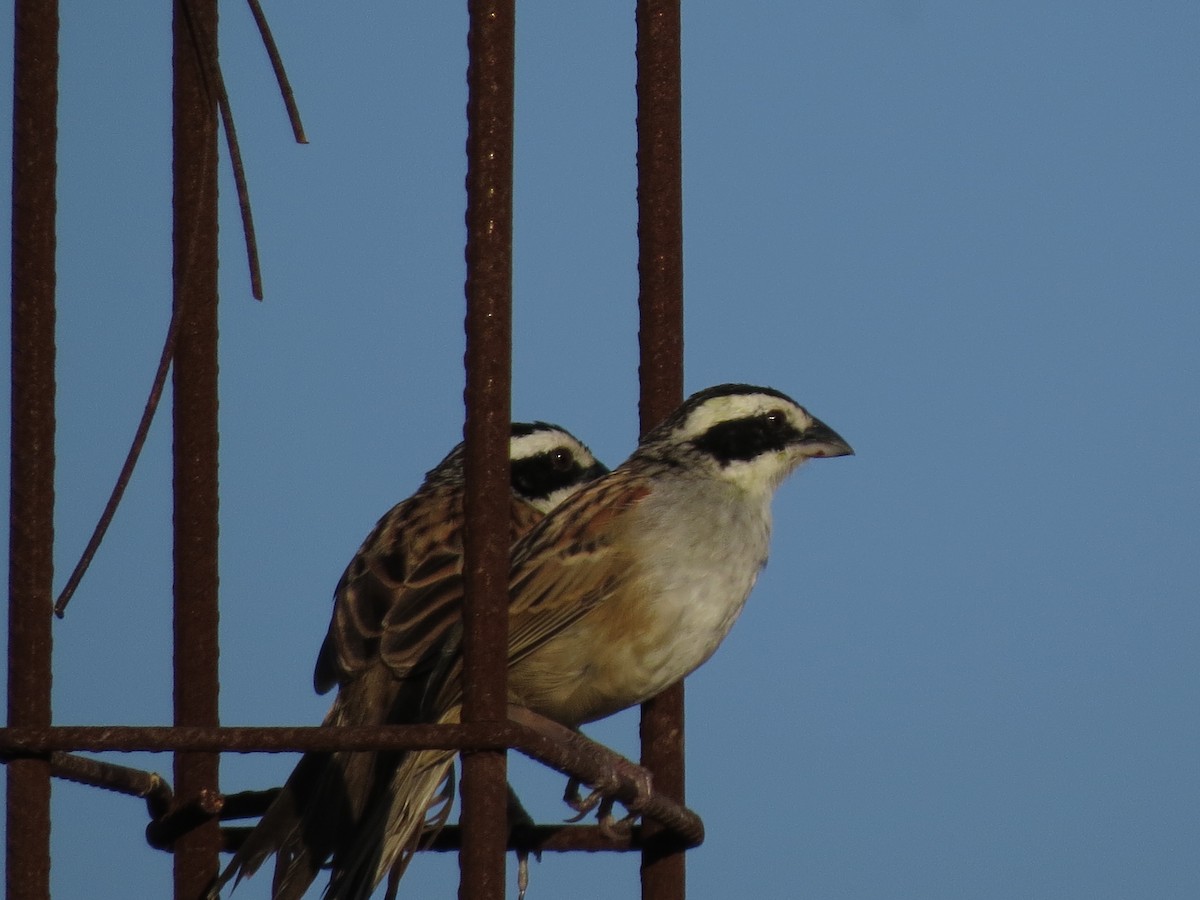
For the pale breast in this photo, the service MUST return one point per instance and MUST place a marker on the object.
(668, 615)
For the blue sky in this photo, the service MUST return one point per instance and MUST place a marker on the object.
(965, 235)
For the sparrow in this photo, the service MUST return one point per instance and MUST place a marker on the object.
(396, 601)
(624, 589)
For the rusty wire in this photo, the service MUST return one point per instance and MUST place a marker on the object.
(168, 351)
(206, 51)
(135, 451)
(285, 85)
(201, 28)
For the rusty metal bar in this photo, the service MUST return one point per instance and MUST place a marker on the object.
(490, 74)
(660, 269)
(186, 816)
(538, 738)
(31, 472)
(572, 754)
(247, 739)
(553, 839)
(533, 735)
(536, 839)
(121, 779)
(195, 426)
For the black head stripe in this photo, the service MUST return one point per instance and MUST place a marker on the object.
(449, 470)
(677, 418)
(743, 439)
(524, 429)
(537, 477)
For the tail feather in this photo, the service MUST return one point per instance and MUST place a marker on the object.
(279, 829)
(403, 819)
(321, 809)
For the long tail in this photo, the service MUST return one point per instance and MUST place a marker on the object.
(322, 806)
(281, 831)
(402, 819)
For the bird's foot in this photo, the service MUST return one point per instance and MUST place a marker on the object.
(601, 799)
(582, 805)
(616, 830)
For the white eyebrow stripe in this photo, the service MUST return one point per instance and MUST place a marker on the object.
(739, 406)
(542, 441)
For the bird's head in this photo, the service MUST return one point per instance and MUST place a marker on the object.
(549, 464)
(752, 436)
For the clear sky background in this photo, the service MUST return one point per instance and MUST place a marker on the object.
(966, 235)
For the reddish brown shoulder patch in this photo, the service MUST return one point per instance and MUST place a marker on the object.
(622, 498)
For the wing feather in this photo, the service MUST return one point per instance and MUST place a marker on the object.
(401, 593)
(562, 569)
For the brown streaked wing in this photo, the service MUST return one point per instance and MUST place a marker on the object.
(563, 568)
(571, 564)
(416, 539)
(419, 619)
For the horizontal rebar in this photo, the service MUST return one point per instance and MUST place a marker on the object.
(536, 839)
(239, 739)
(547, 742)
(552, 839)
(109, 776)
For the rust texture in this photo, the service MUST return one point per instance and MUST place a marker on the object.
(111, 777)
(245, 739)
(195, 427)
(571, 753)
(553, 839)
(31, 507)
(538, 738)
(490, 43)
(185, 818)
(536, 839)
(660, 338)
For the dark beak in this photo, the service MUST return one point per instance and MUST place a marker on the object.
(822, 441)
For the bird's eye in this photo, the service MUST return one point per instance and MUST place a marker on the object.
(776, 418)
(561, 459)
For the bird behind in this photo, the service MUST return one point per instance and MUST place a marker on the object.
(394, 605)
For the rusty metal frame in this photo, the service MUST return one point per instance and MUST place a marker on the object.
(187, 820)
(31, 510)
(660, 340)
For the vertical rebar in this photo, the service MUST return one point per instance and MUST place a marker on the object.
(488, 385)
(31, 486)
(195, 427)
(660, 270)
